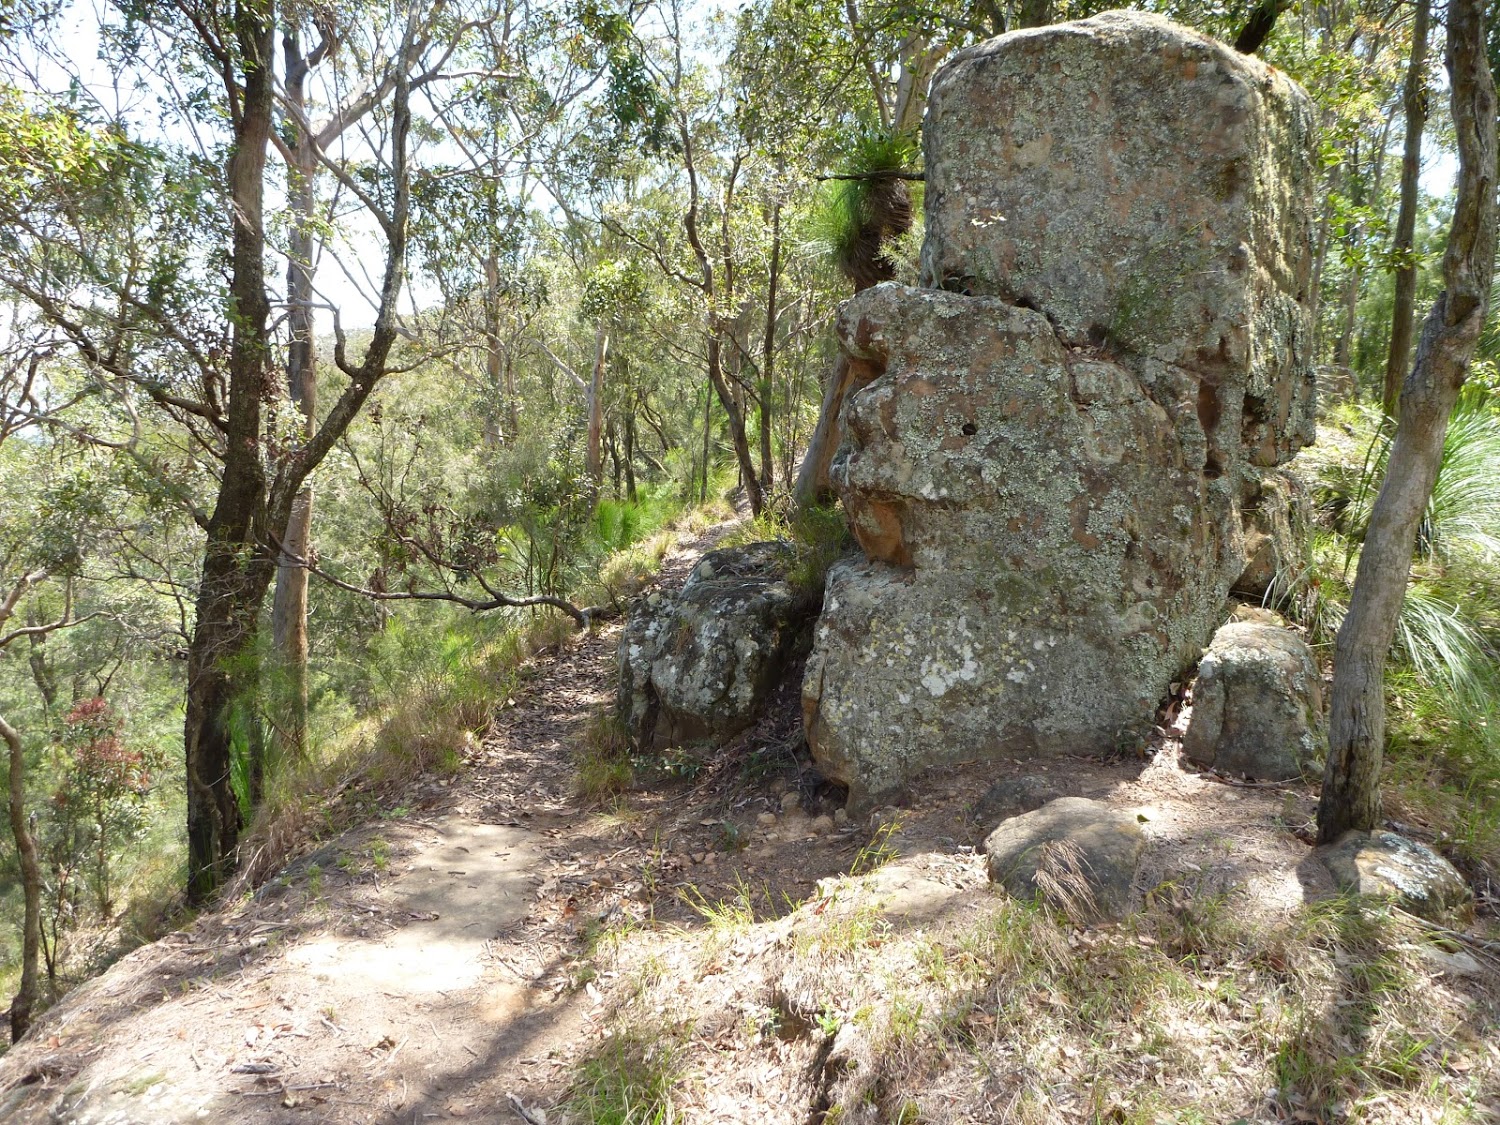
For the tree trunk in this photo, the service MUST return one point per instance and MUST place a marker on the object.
(235, 575)
(768, 356)
(1034, 13)
(289, 606)
(708, 411)
(611, 446)
(42, 672)
(1320, 259)
(1414, 97)
(596, 414)
(22, 1005)
(736, 425)
(1344, 351)
(1356, 732)
(494, 353)
(1258, 27)
(630, 493)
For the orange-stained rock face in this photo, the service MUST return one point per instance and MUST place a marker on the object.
(1046, 458)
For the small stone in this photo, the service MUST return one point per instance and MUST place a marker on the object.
(821, 826)
(1080, 855)
(698, 857)
(1257, 705)
(1011, 797)
(1413, 875)
(1453, 964)
(766, 819)
(790, 801)
(699, 663)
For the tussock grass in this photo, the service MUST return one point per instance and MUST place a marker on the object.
(628, 1080)
(1192, 1011)
(818, 536)
(604, 768)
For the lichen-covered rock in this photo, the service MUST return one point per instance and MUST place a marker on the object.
(699, 664)
(1258, 704)
(1414, 876)
(1047, 458)
(1150, 189)
(1275, 514)
(1079, 855)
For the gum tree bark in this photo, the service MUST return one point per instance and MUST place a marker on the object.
(1403, 319)
(24, 1001)
(289, 605)
(1351, 781)
(31, 886)
(234, 579)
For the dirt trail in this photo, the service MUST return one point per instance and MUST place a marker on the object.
(437, 964)
(412, 969)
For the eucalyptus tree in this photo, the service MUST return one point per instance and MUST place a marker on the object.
(1414, 109)
(323, 131)
(1450, 335)
(184, 324)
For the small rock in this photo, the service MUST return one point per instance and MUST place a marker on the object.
(699, 663)
(790, 801)
(1451, 963)
(821, 826)
(1011, 797)
(698, 857)
(1257, 706)
(1391, 866)
(766, 819)
(1080, 855)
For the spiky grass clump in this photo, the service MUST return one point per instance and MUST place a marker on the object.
(856, 220)
(1449, 630)
(817, 535)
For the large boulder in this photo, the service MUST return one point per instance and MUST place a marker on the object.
(1049, 450)
(1079, 855)
(1151, 190)
(1258, 704)
(698, 664)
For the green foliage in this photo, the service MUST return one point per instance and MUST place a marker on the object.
(627, 1080)
(855, 218)
(99, 808)
(818, 537)
(1448, 633)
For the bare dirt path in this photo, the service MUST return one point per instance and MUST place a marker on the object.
(419, 967)
(440, 963)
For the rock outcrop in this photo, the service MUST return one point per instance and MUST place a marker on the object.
(1052, 443)
(1258, 704)
(1079, 855)
(699, 665)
